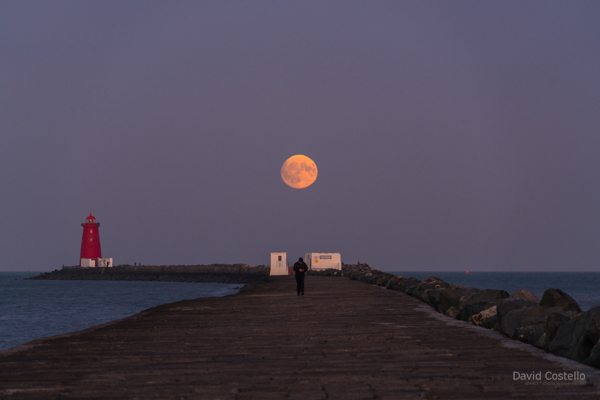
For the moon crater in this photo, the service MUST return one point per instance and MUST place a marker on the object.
(299, 171)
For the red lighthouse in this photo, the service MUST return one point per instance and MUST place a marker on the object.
(90, 243)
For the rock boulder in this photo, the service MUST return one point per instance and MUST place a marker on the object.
(556, 298)
(487, 318)
(478, 301)
(530, 334)
(523, 317)
(427, 284)
(407, 285)
(520, 299)
(450, 297)
(523, 294)
(594, 358)
(578, 338)
(552, 323)
(393, 283)
(452, 312)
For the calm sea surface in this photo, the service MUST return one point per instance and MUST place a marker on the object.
(34, 309)
(582, 286)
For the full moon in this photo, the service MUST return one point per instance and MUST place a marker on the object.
(299, 171)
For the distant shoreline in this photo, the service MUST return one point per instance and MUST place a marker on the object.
(216, 273)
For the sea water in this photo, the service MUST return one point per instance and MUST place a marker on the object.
(30, 309)
(582, 286)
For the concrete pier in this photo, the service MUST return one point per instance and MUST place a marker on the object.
(343, 340)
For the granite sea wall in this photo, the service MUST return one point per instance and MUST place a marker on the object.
(218, 273)
(554, 323)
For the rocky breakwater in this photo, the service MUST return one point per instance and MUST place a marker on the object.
(219, 273)
(555, 323)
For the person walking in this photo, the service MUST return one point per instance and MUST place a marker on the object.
(300, 268)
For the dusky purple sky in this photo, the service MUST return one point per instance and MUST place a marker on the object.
(448, 135)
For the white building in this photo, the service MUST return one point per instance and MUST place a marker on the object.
(96, 262)
(279, 264)
(105, 262)
(323, 260)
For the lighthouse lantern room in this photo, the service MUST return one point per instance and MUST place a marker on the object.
(91, 254)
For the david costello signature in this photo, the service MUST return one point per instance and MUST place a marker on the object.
(550, 378)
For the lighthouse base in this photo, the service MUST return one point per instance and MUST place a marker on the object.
(96, 262)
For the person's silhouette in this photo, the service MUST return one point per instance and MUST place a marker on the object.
(300, 268)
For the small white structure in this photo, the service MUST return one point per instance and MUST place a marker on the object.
(96, 262)
(323, 260)
(279, 264)
(105, 262)
(88, 262)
